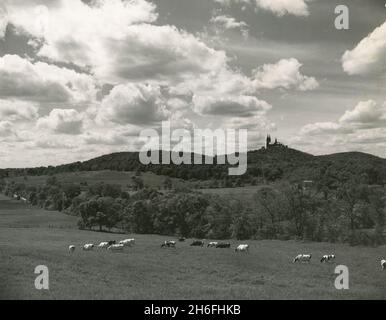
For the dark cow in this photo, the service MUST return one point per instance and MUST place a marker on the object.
(111, 242)
(182, 239)
(168, 244)
(197, 243)
(223, 245)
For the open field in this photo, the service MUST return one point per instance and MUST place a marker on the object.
(31, 237)
(247, 193)
(122, 178)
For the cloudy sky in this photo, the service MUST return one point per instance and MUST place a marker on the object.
(80, 79)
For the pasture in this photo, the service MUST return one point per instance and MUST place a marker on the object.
(123, 178)
(31, 237)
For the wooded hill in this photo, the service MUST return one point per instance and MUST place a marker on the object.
(264, 164)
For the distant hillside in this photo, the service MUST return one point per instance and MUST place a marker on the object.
(264, 164)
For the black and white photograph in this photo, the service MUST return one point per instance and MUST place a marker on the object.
(192, 150)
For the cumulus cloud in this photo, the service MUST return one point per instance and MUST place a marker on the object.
(6, 129)
(62, 121)
(43, 143)
(39, 81)
(134, 104)
(320, 128)
(284, 74)
(116, 40)
(365, 115)
(283, 7)
(277, 7)
(368, 55)
(73, 29)
(238, 106)
(160, 53)
(17, 110)
(3, 20)
(115, 135)
(229, 23)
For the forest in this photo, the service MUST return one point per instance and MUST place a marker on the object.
(350, 211)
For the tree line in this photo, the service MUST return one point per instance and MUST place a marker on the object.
(352, 211)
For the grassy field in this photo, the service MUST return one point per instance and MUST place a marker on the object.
(246, 194)
(122, 178)
(31, 237)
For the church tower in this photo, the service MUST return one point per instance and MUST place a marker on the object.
(268, 141)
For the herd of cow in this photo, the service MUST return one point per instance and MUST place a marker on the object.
(114, 246)
(109, 245)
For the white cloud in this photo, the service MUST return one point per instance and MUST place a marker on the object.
(43, 143)
(62, 121)
(17, 110)
(283, 7)
(39, 81)
(277, 7)
(365, 115)
(368, 55)
(74, 31)
(237, 106)
(6, 129)
(229, 23)
(134, 104)
(117, 40)
(320, 128)
(3, 20)
(284, 74)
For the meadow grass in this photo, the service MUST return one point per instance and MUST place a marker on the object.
(31, 237)
(122, 178)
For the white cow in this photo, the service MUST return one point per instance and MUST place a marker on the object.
(327, 258)
(103, 245)
(71, 248)
(127, 242)
(302, 258)
(88, 247)
(116, 247)
(383, 264)
(212, 244)
(168, 244)
(242, 247)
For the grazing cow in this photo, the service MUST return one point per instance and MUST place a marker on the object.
(302, 258)
(111, 242)
(127, 242)
(212, 244)
(242, 247)
(383, 264)
(197, 243)
(223, 245)
(71, 248)
(182, 239)
(169, 244)
(116, 247)
(88, 247)
(103, 245)
(327, 258)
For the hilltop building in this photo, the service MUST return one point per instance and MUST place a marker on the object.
(276, 143)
